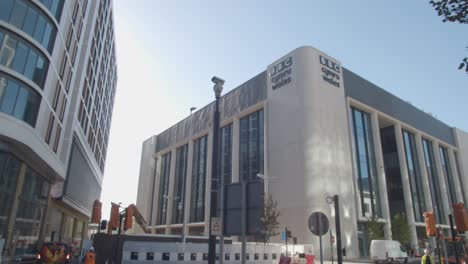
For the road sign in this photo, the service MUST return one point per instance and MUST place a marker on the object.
(216, 226)
(283, 235)
(318, 224)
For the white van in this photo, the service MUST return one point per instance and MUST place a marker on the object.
(387, 251)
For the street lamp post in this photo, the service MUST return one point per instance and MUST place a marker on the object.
(218, 88)
(335, 201)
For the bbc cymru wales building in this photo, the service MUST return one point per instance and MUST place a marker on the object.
(313, 129)
(57, 84)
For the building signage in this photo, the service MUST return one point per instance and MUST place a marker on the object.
(280, 73)
(330, 71)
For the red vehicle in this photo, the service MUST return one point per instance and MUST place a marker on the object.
(53, 252)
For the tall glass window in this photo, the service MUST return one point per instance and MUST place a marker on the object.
(197, 206)
(18, 100)
(459, 176)
(226, 153)
(54, 6)
(9, 168)
(251, 146)
(179, 184)
(434, 183)
(20, 56)
(414, 173)
(31, 19)
(365, 164)
(448, 175)
(164, 188)
(31, 208)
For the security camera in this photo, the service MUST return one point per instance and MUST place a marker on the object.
(217, 80)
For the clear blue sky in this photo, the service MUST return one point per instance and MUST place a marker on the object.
(167, 52)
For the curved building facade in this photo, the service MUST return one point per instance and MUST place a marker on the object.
(314, 129)
(57, 85)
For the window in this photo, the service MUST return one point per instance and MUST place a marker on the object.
(227, 256)
(20, 56)
(134, 255)
(226, 153)
(31, 210)
(179, 185)
(205, 256)
(237, 256)
(434, 184)
(18, 100)
(449, 182)
(164, 188)
(31, 19)
(274, 256)
(247, 256)
(256, 256)
(251, 146)
(149, 255)
(365, 163)
(197, 207)
(50, 127)
(180, 257)
(58, 132)
(56, 95)
(166, 256)
(412, 162)
(9, 169)
(265, 256)
(193, 256)
(54, 6)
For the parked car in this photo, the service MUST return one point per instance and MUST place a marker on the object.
(388, 251)
(53, 252)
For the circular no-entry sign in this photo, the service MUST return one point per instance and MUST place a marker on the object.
(318, 223)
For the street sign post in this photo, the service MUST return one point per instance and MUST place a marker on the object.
(318, 225)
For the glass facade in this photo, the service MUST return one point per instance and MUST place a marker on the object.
(414, 174)
(449, 182)
(251, 146)
(197, 206)
(179, 184)
(20, 56)
(460, 177)
(164, 188)
(226, 153)
(365, 164)
(54, 6)
(18, 100)
(434, 183)
(32, 204)
(9, 168)
(26, 16)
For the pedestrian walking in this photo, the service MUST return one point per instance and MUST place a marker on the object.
(90, 257)
(427, 258)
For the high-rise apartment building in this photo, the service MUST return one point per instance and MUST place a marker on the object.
(57, 85)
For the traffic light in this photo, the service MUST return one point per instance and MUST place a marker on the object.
(129, 217)
(103, 225)
(333, 239)
(429, 219)
(288, 234)
(114, 216)
(96, 213)
(461, 217)
(294, 240)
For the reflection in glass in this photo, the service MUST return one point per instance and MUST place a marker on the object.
(365, 164)
(251, 146)
(197, 205)
(164, 188)
(414, 174)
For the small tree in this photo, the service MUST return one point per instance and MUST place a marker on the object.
(400, 229)
(269, 220)
(374, 228)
